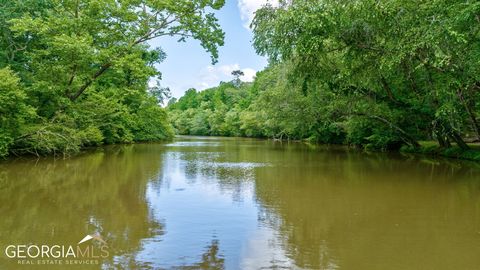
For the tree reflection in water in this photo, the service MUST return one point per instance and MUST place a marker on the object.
(270, 205)
(51, 201)
(211, 259)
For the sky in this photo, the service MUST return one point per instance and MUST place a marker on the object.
(188, 65)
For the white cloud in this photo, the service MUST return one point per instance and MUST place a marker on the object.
(208, 77)
(248, 7)
(211, 76)
(249, 74)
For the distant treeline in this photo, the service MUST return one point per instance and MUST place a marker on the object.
(378, 74)
(75, 73)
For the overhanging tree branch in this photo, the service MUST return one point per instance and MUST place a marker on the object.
(102, 70)
(403, 134)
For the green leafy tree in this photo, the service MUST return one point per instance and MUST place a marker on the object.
(236, 75)
(377, 74)
(85, 66)
(14, 112)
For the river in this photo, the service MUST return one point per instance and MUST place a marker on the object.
(229, 203)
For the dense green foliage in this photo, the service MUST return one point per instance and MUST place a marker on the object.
(378, 74)
(76, 73)
(214, 111)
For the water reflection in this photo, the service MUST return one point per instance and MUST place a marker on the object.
(212, 203)
(211, 259)
(352, 211)
(60, 201)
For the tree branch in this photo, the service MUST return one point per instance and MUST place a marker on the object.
(102, 70)
(405, 136)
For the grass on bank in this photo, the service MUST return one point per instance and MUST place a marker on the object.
(432, 148)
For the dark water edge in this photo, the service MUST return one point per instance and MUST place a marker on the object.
(425, 152)
(239, 203)
(450, 153)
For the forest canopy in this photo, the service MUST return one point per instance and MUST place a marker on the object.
(76, 73)
(377, 74)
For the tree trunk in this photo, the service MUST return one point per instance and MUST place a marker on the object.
(104, 68)
(471, 113)
(442, 141)
(458, 139)
(405, 136)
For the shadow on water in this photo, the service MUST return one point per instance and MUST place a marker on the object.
(225, 203)
(372, 211)
(52, 202)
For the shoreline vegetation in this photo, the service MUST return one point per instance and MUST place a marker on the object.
(432, 149)
(428, 149)
(77, 74)
(383, 76)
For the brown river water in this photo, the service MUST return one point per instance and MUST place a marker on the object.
(228, 203)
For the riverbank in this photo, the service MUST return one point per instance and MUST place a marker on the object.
(428, 148)
(433, 149)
